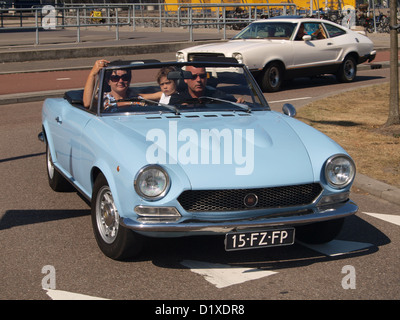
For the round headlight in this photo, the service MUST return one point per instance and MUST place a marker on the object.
(340, 171)
(152, 182)
(238, 56)
(180, 57)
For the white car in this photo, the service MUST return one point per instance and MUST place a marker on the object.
(277, 49)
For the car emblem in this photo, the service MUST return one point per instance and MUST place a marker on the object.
(250, 200)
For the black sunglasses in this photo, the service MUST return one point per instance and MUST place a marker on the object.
(201, 75)
(115, 78)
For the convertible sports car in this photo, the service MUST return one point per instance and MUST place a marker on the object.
(282, 48)
(214, 160)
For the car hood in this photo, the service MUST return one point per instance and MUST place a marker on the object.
(234, 46)
(227, 151)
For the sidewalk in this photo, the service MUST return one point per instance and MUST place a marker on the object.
(58, 51)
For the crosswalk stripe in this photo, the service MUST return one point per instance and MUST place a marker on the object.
(66, 295)
(395, 219)
(222, 275)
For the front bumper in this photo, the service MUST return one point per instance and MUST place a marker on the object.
(317, 214)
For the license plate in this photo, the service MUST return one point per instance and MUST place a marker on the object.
(259, 239)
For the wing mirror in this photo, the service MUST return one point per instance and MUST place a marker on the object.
(307, 37)
(289, 110)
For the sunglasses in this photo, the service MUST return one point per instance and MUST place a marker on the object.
(201, 75)
(116, 78)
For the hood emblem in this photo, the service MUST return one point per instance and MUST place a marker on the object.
(250, 200)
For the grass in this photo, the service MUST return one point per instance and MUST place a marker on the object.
(355, 119)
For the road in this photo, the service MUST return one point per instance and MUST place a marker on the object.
(47, 241)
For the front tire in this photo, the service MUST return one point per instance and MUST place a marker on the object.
(113, 239)
(348, 70)
(320, 232)
(272, 78)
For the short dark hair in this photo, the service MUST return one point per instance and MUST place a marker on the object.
(164, 72)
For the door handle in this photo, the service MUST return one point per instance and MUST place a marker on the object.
(329, 44)
(58, 119)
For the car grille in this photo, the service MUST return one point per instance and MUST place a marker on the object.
(234, 199)
(192, 56)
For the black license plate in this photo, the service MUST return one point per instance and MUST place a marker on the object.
(259, 239)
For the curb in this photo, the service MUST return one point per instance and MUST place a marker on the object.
(377, 188)
(90, 52)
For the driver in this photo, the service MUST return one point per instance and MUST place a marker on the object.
(196, 88)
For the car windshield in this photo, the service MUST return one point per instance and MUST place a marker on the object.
(179, 87)
(267, 30)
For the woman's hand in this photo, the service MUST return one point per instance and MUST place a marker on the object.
(98, 65)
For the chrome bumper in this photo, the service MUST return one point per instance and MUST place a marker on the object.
(296, 218)
(368, 57)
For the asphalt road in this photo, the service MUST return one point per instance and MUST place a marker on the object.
(47, 241)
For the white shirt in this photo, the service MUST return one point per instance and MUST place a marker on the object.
(164, 98)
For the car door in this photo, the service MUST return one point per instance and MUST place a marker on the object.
(69, 122)
(319, 50)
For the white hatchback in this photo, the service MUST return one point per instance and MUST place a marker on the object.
(283, 48)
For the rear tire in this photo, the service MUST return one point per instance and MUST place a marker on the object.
(320, 232)
(348, 70)
(113, 239)
(56, 180)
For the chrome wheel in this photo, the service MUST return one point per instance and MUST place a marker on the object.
(56, 181)
(114, 240)
(272, 77)
(50, 167)
(107, 217)
(349, 69)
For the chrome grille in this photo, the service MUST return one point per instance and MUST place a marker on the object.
(233, 199)
(191, 56)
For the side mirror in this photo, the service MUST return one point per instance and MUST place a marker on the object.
(307, 37)
(289, 110)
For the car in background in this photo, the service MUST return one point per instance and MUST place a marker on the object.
(284, 48)
(221, 163)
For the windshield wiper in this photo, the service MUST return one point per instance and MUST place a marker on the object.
(243, 106)
(170, 107)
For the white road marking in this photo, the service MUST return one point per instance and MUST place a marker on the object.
(62, 79)
(288, 100)
(395, 219)
(337, 247)
(222, 275)
(65, 295)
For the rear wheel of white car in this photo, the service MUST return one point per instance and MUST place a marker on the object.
(113, 239)
(348, 70)
(56, 181)
(320, 232)
(271, 79)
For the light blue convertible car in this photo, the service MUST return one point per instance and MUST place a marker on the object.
(208, 158)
